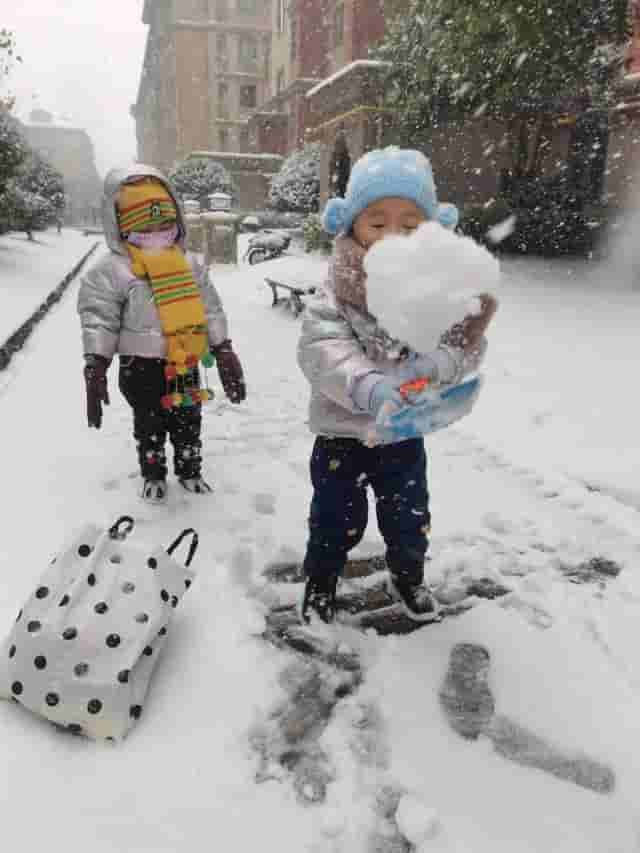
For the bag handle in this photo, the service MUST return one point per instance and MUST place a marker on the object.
(192, 548)
(116, 533)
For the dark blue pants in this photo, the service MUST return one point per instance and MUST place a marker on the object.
(341, 470)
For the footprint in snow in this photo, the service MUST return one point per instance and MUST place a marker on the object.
(496, 523)
(264, 503)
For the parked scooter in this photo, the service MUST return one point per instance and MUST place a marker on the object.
(266, 245)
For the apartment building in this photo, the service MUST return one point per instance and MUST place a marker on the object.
(207, 66)
(70, 151)
(311, 41)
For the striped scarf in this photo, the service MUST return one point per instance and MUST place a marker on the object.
(146, 202)
(178, 301)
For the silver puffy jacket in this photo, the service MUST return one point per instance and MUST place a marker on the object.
(117, 311)
(343, 352)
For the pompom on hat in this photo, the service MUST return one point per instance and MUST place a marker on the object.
(388, 173)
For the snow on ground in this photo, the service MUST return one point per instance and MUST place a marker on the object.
(509, 501)
(29, 271)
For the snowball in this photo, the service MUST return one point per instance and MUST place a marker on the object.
(417, 821)
(419, 286)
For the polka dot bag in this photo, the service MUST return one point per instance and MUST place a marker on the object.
(84, 646)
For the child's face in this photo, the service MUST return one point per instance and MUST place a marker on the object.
(386, 217)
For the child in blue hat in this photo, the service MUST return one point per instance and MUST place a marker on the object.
(354, 368)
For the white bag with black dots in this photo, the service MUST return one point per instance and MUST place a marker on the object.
(85, 644)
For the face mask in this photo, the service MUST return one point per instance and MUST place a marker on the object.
(154, 241)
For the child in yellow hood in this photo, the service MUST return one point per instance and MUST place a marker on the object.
(154, 306)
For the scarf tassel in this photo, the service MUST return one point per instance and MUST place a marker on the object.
(184, 388)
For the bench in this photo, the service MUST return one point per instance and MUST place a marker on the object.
(291, 294)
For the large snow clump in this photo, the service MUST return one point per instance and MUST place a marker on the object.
(419, 286)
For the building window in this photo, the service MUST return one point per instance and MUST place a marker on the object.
(223, 139)
(244, 141)
(247, 7)
(280, 81)
(247, 53)
(338, 25)
(294, 39)
(222, 9)
(248, 97)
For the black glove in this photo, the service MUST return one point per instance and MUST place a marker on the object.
(230, 372)
(95, 378)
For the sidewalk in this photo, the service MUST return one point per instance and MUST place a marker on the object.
(29, 271)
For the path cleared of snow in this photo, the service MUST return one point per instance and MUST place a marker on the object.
(508, 502)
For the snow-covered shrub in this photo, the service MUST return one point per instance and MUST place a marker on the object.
(316, 238)
(197, 179)
(296, 187)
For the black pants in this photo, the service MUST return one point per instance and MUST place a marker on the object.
(143, 384)
(341, 469)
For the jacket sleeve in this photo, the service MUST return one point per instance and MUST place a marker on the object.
(330, 355)
(216, 317)
(100, 304)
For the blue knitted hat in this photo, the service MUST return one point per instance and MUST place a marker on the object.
(388, 173)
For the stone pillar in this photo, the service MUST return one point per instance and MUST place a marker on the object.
(220, 237)
(195, 235)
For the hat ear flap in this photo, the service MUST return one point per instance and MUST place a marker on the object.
(447, 215)
(333, 217)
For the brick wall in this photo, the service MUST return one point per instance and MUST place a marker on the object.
(309, 18)
(368, 22)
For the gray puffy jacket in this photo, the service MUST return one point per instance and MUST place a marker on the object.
(343, 352)
(117, 311)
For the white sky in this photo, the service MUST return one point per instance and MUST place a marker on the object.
(81, 59)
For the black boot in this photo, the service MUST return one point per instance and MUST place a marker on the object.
(418, 602)
(154, 491)
(196, 484)
(320, 598)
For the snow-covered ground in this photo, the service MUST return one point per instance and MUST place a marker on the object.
(539, 479)
(29, 271)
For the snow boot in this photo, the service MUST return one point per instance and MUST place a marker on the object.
(154, 491)
(416, 599)
(320, 598)
(195, 484)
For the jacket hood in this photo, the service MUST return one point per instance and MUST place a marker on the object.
(112, 183)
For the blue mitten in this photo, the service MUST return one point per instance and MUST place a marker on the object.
(431, 411)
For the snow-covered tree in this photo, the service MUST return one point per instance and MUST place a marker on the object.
(8, 56)
(13, 149)
(296, 187)
(520, 59)
(39, 178)
(25, 210)
(197, 179)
